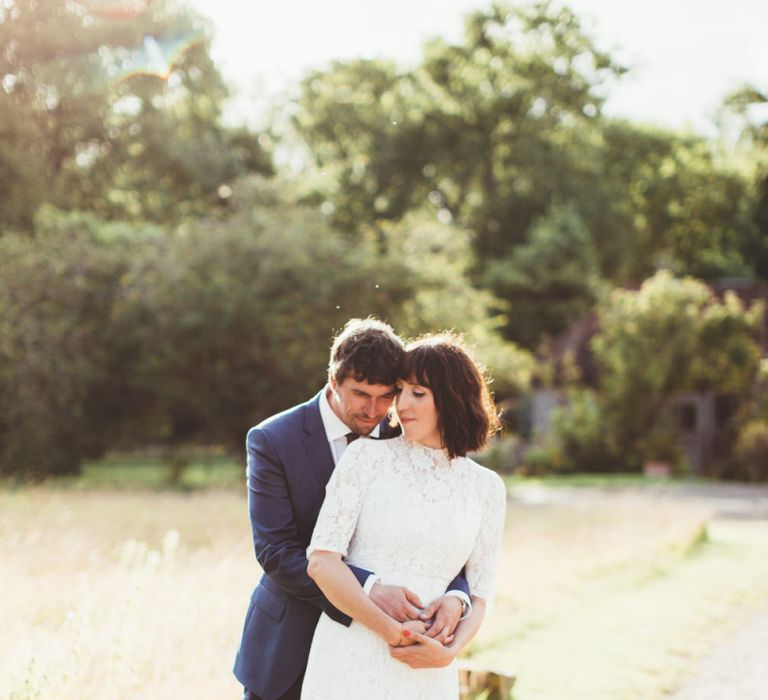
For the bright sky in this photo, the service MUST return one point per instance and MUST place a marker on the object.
(686, 55)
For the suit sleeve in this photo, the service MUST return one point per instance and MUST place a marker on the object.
(277, 544)
(459, 584)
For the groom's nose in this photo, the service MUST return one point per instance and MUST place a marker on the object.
(377, 406)
(369, 407)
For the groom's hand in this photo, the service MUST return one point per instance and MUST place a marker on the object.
(444, 614)
(397, 601)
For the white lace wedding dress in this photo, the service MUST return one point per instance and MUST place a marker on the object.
(414, 518)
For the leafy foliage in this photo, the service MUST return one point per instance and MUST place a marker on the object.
(670, 336)
(751, 451)
(89, 121)
(749, 104)
(153, 291)
(549, 281)
(581, 440)
(502, 135)
(117, 334)
(62, 375)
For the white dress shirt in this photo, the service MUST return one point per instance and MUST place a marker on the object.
(336, 430)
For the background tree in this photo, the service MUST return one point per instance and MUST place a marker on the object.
(121, 115)
(64, 364)
(670, 336)
(748, 105)
(550, 281)
(240, 313)
(118, 335)
(438, 257)
(675, 203)
(169, 297)
(485, 130)
(498, 132)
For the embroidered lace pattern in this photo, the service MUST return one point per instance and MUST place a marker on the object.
(415, 518)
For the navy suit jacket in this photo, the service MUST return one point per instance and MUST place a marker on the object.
(289, 464)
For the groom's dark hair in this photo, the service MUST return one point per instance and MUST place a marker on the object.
(368, 350)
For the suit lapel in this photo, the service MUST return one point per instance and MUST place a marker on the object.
(386, 431)
(316, 443)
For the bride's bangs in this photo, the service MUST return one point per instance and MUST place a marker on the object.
(416, 366)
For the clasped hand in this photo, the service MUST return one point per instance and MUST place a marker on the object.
(426, 633)
(419, 650)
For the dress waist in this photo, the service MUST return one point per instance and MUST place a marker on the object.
(426, 586)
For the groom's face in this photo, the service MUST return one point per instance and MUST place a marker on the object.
(362, 406)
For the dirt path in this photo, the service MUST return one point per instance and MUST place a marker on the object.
(740, 501)
(737, 666)
(736, 670)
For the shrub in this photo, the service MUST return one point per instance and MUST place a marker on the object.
(751, 451)
(661, 445)
(540, 460)
(582, 436)
(502, 454)
(669, 337)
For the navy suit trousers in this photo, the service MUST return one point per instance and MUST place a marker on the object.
(293, 693)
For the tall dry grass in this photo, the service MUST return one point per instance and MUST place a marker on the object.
(122, 595)
(142, 595)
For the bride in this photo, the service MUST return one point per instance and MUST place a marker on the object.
(415, 510)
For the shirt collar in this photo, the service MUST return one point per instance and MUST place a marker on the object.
(335, 428)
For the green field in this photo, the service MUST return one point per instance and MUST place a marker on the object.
(122, 591)
(138, 472)
(132, 472)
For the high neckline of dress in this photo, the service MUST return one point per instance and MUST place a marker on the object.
(431, 451)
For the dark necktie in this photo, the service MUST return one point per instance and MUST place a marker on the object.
(351, 437)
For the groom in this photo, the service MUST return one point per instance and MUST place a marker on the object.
(290, 458)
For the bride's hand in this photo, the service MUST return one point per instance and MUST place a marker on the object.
(407, 629)
(424, 652)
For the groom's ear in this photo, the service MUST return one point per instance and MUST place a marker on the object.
(332, 382)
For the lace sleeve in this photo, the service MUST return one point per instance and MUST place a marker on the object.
(344, 496)
(484, 560)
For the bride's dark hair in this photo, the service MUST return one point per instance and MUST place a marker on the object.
(466, 414)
